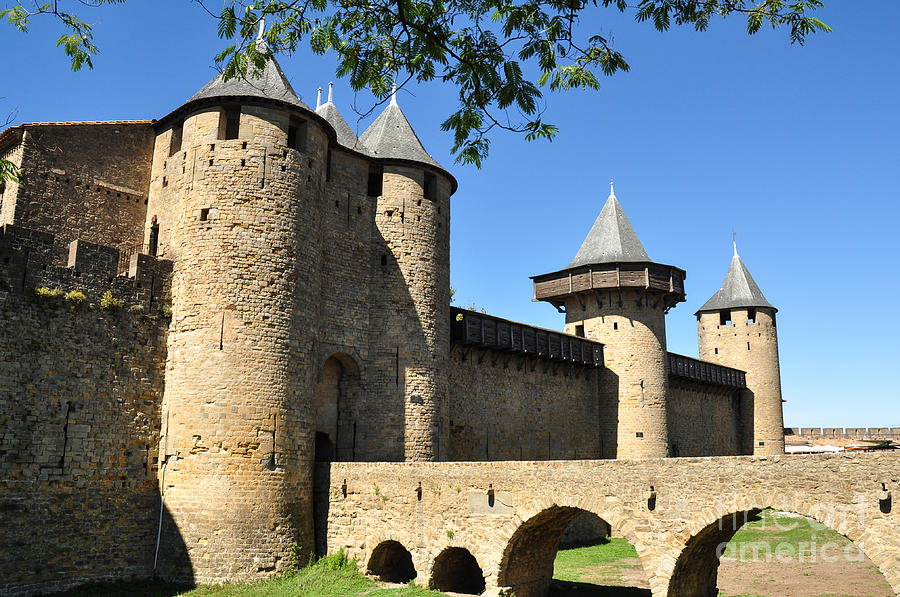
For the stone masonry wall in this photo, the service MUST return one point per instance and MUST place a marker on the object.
(10, 190)
(510, 407)
(483, 506)
(85, 181)
(632, 327)
(80, 392)
(751, 347)
(409, 318)
(347, 222)
(238, 417)
(708, 420)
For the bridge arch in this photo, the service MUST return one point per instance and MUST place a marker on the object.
(391, 562)
(456, 569)
(526, 566)
(695, 573)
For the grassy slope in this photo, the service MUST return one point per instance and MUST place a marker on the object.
(332, 576)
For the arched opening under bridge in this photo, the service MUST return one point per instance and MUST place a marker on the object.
(391, 562)
(770, 552)
(456, 570)
(533, 564)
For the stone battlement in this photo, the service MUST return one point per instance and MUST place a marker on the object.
(845, 432)
(26, 263)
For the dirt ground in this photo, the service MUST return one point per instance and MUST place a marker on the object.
(797, 579)
(765, 579)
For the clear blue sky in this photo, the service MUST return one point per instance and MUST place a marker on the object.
(795, 148)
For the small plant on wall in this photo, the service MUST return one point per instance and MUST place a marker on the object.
(75, 299)
(44, 293)
(109, 302)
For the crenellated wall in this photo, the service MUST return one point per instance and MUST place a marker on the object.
(275, 299)
(80, 393)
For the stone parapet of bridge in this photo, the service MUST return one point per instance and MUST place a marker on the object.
(676, 512)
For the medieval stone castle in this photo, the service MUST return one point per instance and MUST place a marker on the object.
(197, 309)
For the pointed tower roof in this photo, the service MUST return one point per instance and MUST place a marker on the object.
(268, 83)
(611, 238)
(738, 290)
(329, 112)
(611, 257)
(391, 136)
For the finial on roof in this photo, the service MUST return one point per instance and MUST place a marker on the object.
(612, 192)
(262, 28)
(734, 242)
(319, 99)
(330, 87)
(394, 94)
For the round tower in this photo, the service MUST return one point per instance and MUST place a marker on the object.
(613, 293)
(736, 328)
(411, 289)
(238, 173)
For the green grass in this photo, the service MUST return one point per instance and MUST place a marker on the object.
(794, 537)
(332, 576)
(576, 564)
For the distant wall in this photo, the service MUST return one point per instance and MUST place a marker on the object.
(845, 432)
(80, 391)
(709, 420)
(503, 406)
(85, 181)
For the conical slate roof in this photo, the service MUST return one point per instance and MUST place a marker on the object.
(738, 290)
(328, 111)
(391, 136)
(268, 83)
(611, 238)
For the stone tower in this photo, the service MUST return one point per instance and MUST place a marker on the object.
(237, 178)
(613, 293)
(736, 328)
(410, 337)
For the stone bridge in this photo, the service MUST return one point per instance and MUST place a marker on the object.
(445, 522)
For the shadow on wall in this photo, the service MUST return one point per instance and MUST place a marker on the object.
(609, 413)
(321, 506)
(87, 538)
(173, 564)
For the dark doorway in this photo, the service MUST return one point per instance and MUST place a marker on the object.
(324, 447)
(457, 570)
(391, 562)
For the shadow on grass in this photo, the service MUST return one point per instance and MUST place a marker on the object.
(132, 589)
(563, 588)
